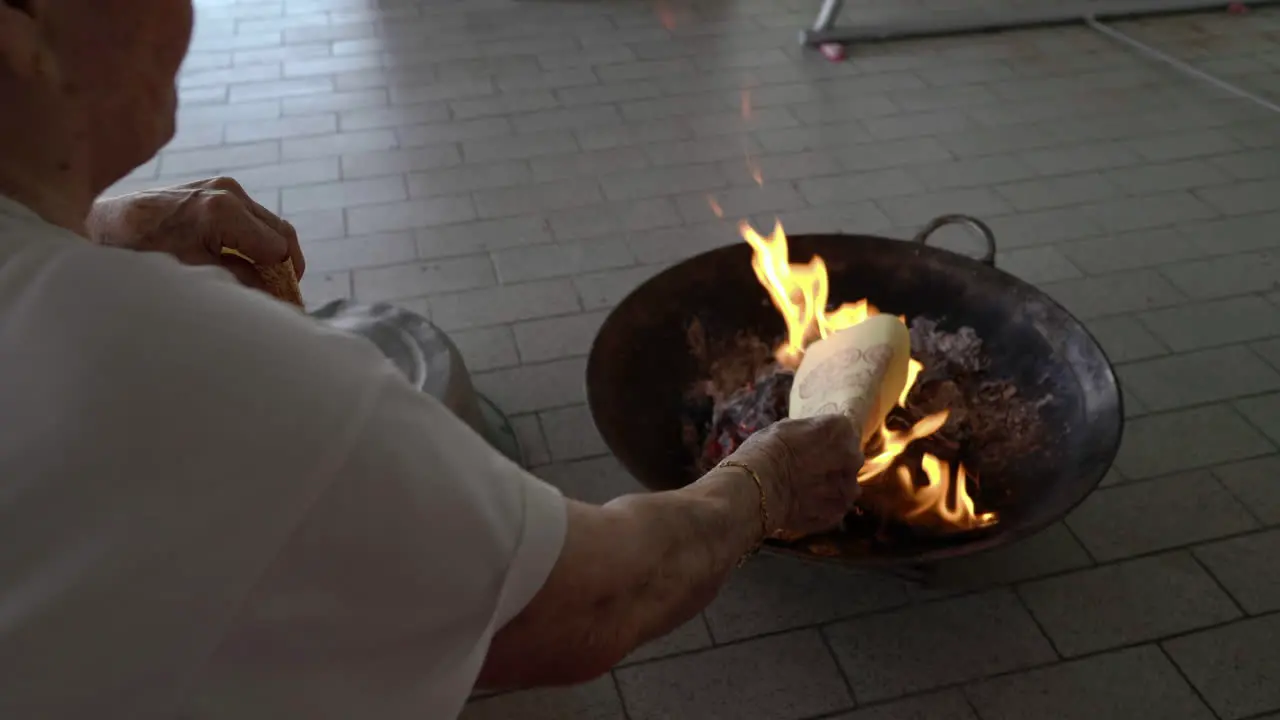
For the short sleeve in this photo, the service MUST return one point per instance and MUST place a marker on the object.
(384, 601)
(212, 507)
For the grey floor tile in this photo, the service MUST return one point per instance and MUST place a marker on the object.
(1236, 234)
(486, 236)
(1236, 668)
(1058, 191)
(1113, 477)
(1043, 228)
(774, 678)
(535, 387)
(1214, 322)
(1198, 377)
(1256, 484)
(486, 348)
(1038, 265)
(974, 172)
(614, 219)
(1136, 518)
(772, 593)
(894, 153)
(1181, 175)
(359, 252)
(606, 289)
(533, 446)
(1131, 602)
(539, 262)
(597, 480)
(1241, 198)
(1133, 405)
(504, 304)
(596, 700)
(1264, 413)
(553, 338)
(1269, 350)
(318, 289)
(690, 636)
(571, 434)
(923, 207)
(1115, 294)
(1129, 251)
(1050, 551)
(1186, 439)
(447, 210)
(1227, 275)
(1151, 211)
(1124, 339)
(1246, 567)
(935, 644)
(949, 705)
(1130, 684)
(675, 244)
(418, 279)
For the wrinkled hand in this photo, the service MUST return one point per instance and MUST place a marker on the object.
(810, 469)
(194, 222)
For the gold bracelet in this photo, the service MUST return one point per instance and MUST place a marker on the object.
(764, 506)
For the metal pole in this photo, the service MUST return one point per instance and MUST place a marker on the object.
(825, 31)
(827, 15)
(1178, 64)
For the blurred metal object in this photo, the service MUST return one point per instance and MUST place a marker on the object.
(980, 20)
(429, 360)
(1181, 66)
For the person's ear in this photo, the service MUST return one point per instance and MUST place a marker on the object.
(25, 53)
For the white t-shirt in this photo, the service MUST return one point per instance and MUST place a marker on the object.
(212, 507)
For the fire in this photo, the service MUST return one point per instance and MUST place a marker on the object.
(715, 206)
(800, 293)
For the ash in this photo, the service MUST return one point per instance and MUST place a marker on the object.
(991, 424)
(742, 389)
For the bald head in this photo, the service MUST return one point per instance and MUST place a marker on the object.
(88, 92)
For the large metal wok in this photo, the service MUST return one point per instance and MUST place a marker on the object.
(640, 367)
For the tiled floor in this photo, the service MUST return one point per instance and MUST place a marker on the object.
(514, 167)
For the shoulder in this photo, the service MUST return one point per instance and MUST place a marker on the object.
(111, 337)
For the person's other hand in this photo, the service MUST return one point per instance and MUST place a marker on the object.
(194, 222)
(810, 471)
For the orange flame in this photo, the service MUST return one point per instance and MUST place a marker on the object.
(937, 498)
(800, 293)
(666, 15)
(715, 206)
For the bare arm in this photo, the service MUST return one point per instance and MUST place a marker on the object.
(630, 571)
(639, 566)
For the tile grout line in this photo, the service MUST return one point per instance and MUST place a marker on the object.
(969, 593)
(835, 660)
(1244, 614)
(1016, 589)
(1178, 669)
(617, 689)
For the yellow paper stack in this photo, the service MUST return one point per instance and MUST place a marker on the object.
(280, 281)
(858, 372)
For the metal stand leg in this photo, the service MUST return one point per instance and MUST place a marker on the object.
(826, 19)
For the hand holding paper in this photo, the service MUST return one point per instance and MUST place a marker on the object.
(858, 372)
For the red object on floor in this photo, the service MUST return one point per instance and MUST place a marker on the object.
(1236, 8)
(832, 51)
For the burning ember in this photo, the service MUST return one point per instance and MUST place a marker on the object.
(905, 481)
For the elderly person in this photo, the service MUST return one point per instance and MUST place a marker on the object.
(211, 507)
